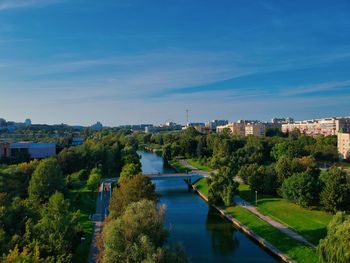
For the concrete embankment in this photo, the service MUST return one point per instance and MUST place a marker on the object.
(247, 231)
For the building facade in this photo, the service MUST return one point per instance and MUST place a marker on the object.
(34, 150)
(326, 126)
(256, 129)
(244, 128)
(344, 145)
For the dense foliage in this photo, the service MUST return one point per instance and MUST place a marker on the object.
(39, 218)
(336, 246)
(134, 231)
(277, 164)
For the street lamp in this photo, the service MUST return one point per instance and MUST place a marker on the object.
(256, 198)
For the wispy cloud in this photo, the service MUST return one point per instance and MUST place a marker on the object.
(18, 4)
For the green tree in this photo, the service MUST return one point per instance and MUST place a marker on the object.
(137, 188)
(130, 170)
(336, 191)
(136, 235)
(94, 179)
(247, 170)
(301, 188)
(46, 180)
(335, 247)
(58, 231)
(222, 187)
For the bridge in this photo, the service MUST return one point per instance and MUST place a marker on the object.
(185, 176)
(158, 176)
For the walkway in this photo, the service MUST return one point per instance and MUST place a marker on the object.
(103, 198)
(281, 227)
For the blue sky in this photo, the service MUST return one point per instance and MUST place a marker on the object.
(147, 61)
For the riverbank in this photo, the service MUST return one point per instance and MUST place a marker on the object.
(281, 245)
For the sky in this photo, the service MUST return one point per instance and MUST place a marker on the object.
(147, 61)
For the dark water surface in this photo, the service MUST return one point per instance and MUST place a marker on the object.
(205, 235)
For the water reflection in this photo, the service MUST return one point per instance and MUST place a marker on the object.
(223, 237)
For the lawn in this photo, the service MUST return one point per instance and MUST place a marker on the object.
(202, 186)
(179, 167)
(198, 165)
(294, 249)
(81, 198)
(312, 224)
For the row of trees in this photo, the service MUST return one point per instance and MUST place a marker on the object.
(39, 220)
(134, 230)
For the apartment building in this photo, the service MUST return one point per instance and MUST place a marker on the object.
(326, 126)
(256, 129)
(244, 128)
(235, 128)
(344, 145)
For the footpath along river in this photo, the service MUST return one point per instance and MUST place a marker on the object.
(205, 235)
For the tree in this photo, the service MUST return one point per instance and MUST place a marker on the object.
(137, 188)
(58, 231)
(135, 235)
(301, 188)
(335, 246)
(336, 191)
(46, 180)
(94, 179)
(222, 187)
(247, 170)
(285, 168)
(166, 154)
(130, 170)
(263, 180)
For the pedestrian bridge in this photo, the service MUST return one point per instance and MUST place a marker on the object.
(174, 176)
(185, 176)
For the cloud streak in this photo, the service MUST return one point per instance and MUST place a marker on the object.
(20, 4)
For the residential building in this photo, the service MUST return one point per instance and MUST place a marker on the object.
(256, 129)
(236, 128)
(344, 145)
(326, 126)
(212, 125)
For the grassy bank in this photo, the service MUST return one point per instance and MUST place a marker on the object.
(179, 167)
(312, 224)
(294, 249)
(81, 198)
(198, 165)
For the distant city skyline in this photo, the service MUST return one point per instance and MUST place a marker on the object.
(138, 61)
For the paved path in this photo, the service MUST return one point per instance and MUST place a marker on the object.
(239, 201)
(103, 198)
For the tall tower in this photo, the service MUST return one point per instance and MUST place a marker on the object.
(187, 111)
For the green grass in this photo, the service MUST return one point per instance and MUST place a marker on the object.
(312, 224)
(202, 186)
(198, 165)
(294, 249)
(179, 167)
(81, 198)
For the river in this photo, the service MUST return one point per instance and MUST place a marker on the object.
(205, 236)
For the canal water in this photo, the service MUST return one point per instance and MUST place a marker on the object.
(205, 236)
